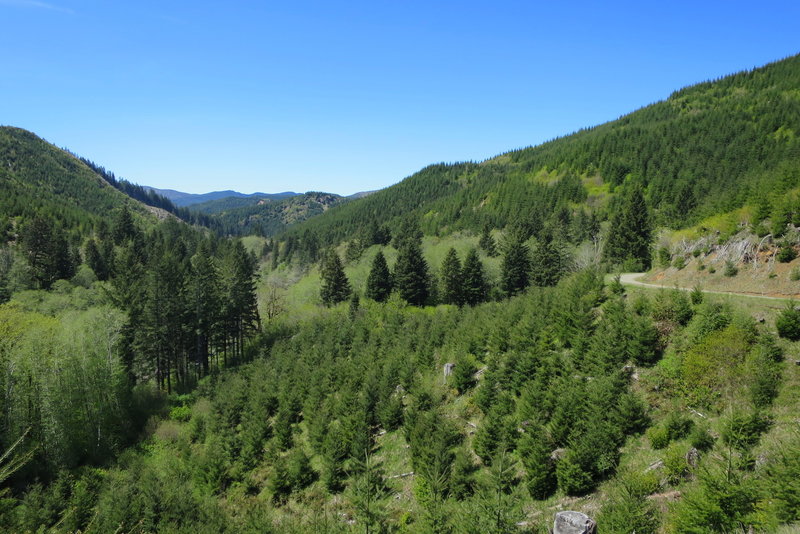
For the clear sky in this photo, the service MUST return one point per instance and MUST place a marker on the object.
(350, 96)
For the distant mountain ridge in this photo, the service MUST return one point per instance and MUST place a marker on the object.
(181, 199)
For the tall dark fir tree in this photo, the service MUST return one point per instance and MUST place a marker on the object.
(475, 288)
(450, 278)
(45, 247)
(379, 281)
(487, 242)
(630, 232)
(547, 263)
(411, 277)
(516, 267)
(335, 285)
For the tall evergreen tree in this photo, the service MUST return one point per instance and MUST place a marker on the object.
(411, 276)
(204, 296)
(240, 309)
(516, 266)
(487, 242)
(475, 289)
(123, 227)
(630, 232)
(163, 316)
(534, 451)
(450, 278)
(96, 261)
(379, 281)
(47, 251)
(547, 264)
(335, 285)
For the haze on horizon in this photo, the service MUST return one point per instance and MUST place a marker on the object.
(200, 96)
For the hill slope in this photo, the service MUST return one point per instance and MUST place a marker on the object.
(242, 216)
(35, 176)
(707, 149)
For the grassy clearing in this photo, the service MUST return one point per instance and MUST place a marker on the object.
(300, 287)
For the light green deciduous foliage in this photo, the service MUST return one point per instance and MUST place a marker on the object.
(63, 380)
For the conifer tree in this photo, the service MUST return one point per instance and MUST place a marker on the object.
(630, 233)
(515, 269)
(487, 242)
(47, 251)
(474, 288)
(96, 261)
(335, 285)
(204, 301)
(534, 451)
(411, 276)
(547, 265)
(123, 227)
(240, 308)
(379, 281)
(450, 277)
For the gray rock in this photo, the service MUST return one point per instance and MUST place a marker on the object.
(574, 523)
(692, 457)
(448, 369)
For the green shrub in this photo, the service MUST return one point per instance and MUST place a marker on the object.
(701, 439)
(664, 257)
(675, 466)
(782, 475)
(463, 376)
(632, 413)
(616, 286)
(742, 430)
(721, 502)
(763, 370)
(628, 509)
(788, 323)
(696, 253)
(180, 413)
(658, 437)
(677, 425)
(786, 253)
(573, 479)
(712, 270)
(794, 275)
(730, 269)
(672, 306)
(696, 296)
(679, 263)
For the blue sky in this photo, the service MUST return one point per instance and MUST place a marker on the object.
(351, 96)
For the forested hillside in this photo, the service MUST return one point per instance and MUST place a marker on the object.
(265, 216)
(707, 149)
(37, 177)
(451, 354)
